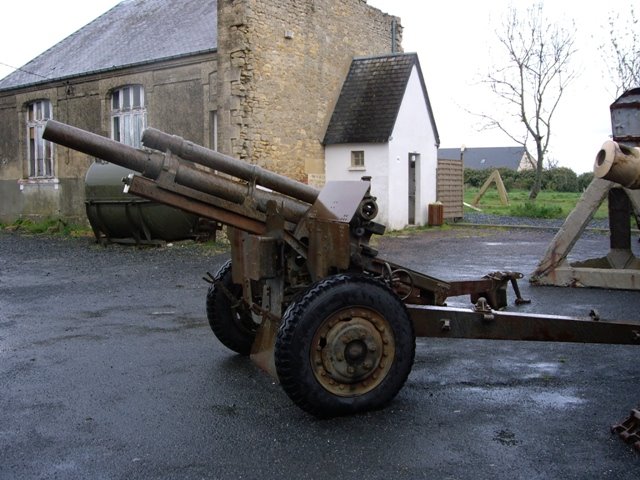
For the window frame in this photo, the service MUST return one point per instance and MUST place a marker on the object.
(357, 160)
(40, 153)
(213, 130)
(128, 114)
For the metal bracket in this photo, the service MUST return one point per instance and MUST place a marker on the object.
(482, 307)
(512, 277)
(629, 430)
(169, 170)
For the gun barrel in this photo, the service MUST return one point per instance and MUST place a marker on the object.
(151, 165)
(618, 163)
(148, 164)
(158, 140)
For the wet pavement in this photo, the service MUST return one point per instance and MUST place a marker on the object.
(109, 370)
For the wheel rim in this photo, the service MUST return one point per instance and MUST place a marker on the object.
(352, 351)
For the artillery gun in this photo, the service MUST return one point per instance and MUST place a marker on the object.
(305, 294)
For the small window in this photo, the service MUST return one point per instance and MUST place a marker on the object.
(39, 151)
(128, 115)
(357, 159)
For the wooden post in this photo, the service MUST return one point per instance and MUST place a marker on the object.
(497, 179)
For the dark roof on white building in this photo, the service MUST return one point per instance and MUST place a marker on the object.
(370, 99)
(485, 157)
(133, 32)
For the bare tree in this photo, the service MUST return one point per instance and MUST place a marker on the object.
(530, 81)
(622, 52)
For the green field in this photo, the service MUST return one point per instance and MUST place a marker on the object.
(549, 204)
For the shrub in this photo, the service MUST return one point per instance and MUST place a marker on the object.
(475, 178)
(561, 179)
(525, 179)
(584, 179)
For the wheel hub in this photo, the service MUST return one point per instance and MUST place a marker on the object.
(352, 351)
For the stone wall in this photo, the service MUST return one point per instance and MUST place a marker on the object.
(281, 67)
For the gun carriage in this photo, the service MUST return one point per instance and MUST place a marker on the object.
(305, 294)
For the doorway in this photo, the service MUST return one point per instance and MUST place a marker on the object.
(414, 159)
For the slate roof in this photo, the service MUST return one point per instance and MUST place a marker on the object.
(131, 33)
(370, 99)
(485, 157)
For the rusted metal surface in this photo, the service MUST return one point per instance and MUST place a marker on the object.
(484, 323)
(146, 188)
(330, 236)
(168, 170)
(147, 163)
(414, 287)
(262, 348)
(326, 247)
(254, 174)
(307, 243)
(629, 429)
(351, 351)
(292, 247)
(493, 287)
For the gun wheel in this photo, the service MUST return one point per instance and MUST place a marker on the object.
(346, 346)
(230, 321)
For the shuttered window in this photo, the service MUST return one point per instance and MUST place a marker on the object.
(128, 115)
(39, 151)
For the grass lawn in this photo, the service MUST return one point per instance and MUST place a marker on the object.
(549, 204)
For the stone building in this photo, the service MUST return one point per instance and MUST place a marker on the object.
(255, 79)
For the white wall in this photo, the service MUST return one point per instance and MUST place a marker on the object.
(412, 133)
(376, 165)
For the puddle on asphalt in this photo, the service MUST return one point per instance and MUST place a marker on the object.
(556, 400)
(521, 396)
(541, 370)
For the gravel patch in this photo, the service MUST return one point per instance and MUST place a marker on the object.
(477, 218)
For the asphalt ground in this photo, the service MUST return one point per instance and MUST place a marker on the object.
(108, 370)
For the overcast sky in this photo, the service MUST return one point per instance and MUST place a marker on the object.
(454, 40)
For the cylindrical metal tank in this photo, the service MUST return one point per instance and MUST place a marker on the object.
(118, 217)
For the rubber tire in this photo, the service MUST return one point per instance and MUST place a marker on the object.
(300, 323)
(234, 329)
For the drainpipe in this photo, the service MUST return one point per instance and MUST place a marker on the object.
(394, 27)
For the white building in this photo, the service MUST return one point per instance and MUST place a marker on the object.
(383, 127)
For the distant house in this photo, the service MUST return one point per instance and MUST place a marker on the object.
(514, 158)
(383, 127)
